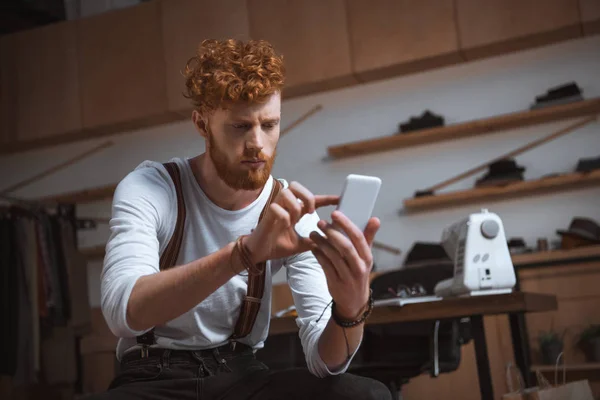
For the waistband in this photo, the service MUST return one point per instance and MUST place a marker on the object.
(157, 352)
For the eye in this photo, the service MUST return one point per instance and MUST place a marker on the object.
(241, 126)
(269, 125)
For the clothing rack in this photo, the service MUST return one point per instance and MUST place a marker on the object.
(63, 209)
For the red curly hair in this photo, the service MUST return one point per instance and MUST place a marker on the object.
(231, 71)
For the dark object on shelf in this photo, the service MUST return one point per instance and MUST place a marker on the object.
(517, 246)
(423, 193)
(501, 172)
(426, 120)
(588, 164)
(567, 93)
(594, 354)
(589, 342)
(426, 254)
(542, 244)
(551, 345)
(582, 231)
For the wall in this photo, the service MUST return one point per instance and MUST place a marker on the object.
(76, 9)
(460, 93)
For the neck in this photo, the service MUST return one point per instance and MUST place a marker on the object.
(216, 190)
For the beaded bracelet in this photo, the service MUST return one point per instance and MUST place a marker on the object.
(349, 324)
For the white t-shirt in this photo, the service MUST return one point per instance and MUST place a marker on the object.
(144, 212)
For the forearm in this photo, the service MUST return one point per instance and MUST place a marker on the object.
(333, 347)
(164, 296)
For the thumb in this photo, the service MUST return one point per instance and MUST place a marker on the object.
(371, 230)
(306, 244)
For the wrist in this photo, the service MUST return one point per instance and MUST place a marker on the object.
(348, 317)
(349, 313)
(251, 244)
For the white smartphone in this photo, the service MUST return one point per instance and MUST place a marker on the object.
(358, 198)
(356, 202)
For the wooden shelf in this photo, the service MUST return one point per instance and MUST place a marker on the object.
(93, 253)
(466, 129)
(517, 189)
(84, 196)
(572, 367)
(555, 256)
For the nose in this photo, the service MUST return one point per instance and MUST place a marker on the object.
(255, 139)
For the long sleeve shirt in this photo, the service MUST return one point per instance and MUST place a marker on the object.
(144, 212)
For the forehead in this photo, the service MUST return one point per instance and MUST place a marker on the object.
(268, 109)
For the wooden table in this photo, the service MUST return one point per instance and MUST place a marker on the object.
(514, 304)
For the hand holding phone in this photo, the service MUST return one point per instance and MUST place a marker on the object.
(357, 201)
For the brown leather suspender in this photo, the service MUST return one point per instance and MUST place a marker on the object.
(256, 283)
(169, 256)
(256, 286)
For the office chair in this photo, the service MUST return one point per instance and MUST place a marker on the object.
(395, 353)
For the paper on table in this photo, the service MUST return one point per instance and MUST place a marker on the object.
(399, 302)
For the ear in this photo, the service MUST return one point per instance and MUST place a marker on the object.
(200, 123)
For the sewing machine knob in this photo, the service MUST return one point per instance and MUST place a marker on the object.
(489, 229)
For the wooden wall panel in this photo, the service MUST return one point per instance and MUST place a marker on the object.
(186, 23)
(394, 37)
(590, 16)
(122, 66)
(576, 281)
(312, 35)
(498, 26)
(48, 82)
(8, 90)
(98, 371)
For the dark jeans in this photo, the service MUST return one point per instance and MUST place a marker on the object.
(214, 374)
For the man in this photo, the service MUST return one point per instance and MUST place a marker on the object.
(189, 312)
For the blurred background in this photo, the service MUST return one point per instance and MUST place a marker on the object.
(91, 88)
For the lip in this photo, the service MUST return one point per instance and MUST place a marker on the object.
(253, 163)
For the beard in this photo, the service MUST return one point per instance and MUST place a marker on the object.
(233, 174)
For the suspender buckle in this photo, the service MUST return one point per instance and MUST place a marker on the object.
(144, 351)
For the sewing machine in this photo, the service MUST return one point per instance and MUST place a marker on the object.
(482, 264)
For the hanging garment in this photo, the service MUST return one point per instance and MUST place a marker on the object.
(9, 303)
(30, 253)
(60, 264)
(81, 312)
(25, 371)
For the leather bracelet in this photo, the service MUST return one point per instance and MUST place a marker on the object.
(239, 258)
(350, 324)
(246, 258)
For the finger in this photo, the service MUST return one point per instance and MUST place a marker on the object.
(371, 230)
(326, 200)
(344, 247)
(338, 263)
(302, 193)
(290, 203)
(281, 215)
(354, 233)
(328, 268)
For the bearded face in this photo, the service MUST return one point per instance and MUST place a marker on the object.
(249, 171)
(242, 140)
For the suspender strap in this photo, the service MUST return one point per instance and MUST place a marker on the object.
(256, 285)
(169, 256)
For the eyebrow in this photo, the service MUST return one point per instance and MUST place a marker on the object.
(274, 120)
